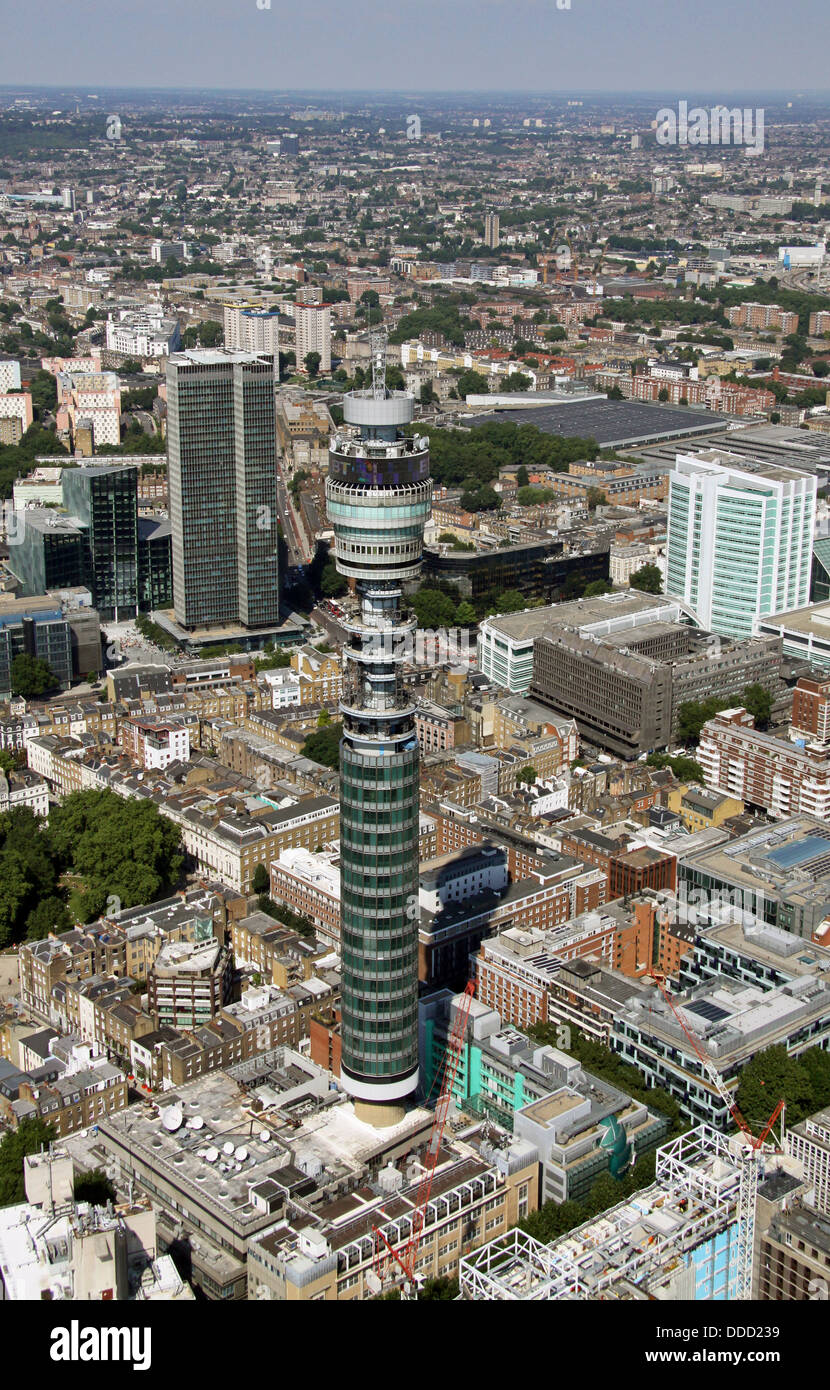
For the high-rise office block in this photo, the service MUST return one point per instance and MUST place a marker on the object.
(379, 497)
(223, 491)
(740, 538)
(491, 230)
(313, 324)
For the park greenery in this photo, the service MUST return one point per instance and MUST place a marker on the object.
(472, 459)
(97, 850)
(280, 912)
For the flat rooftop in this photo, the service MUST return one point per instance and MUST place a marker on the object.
(613, 424)
(812, 621)
(581, 613)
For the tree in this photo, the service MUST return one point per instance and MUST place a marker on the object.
(534, 496)
(693, 714)
(769, 1076)
(684, 769)
(648, 580)
(311, 362)
(663, 393)
(117, 847)
(757, 701)
(30, 1137)
(433, 609)
(428, 394)
(332, 583)
(260, 882)
(522, 477)
(472, 383)
(323, 719)
(597, 587)
(595, 497)
(50, 915)
(510, 601)
(465, 614)
(323, 746)
(516, 381)
(31, 677)
(526, 774)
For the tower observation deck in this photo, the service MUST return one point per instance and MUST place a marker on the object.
(379, 496)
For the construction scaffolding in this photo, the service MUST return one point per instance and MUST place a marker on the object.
(694, 1198)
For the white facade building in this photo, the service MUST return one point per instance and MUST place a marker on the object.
(251, 330)
(740, 538)
(146, 333)
(313, 328)
(9, 376)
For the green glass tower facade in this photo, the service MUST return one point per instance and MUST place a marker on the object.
(379, 497)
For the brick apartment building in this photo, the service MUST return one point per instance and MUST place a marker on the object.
(773, 774)
(810, 718)
(763, 316)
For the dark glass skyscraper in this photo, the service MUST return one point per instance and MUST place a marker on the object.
(379, 498)
(221, 434)
(105, 499)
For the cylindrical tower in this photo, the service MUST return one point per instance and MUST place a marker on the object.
(379, 497)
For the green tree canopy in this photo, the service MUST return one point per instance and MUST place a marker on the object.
(769, 1076)
(684, 769)
(31, 677)
(50, 915)
(260, 882)
(648, 580)
(433, 608)
(94, 1187)
(30, 1137)
(117, 847)
(332, 583)
(757, 701)
(323, 746)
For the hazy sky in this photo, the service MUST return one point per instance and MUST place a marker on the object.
(717, 46)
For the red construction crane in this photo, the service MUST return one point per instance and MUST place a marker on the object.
(406, 1256)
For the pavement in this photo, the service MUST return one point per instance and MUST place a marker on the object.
(8, 975)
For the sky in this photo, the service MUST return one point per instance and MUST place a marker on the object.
(679, 46)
